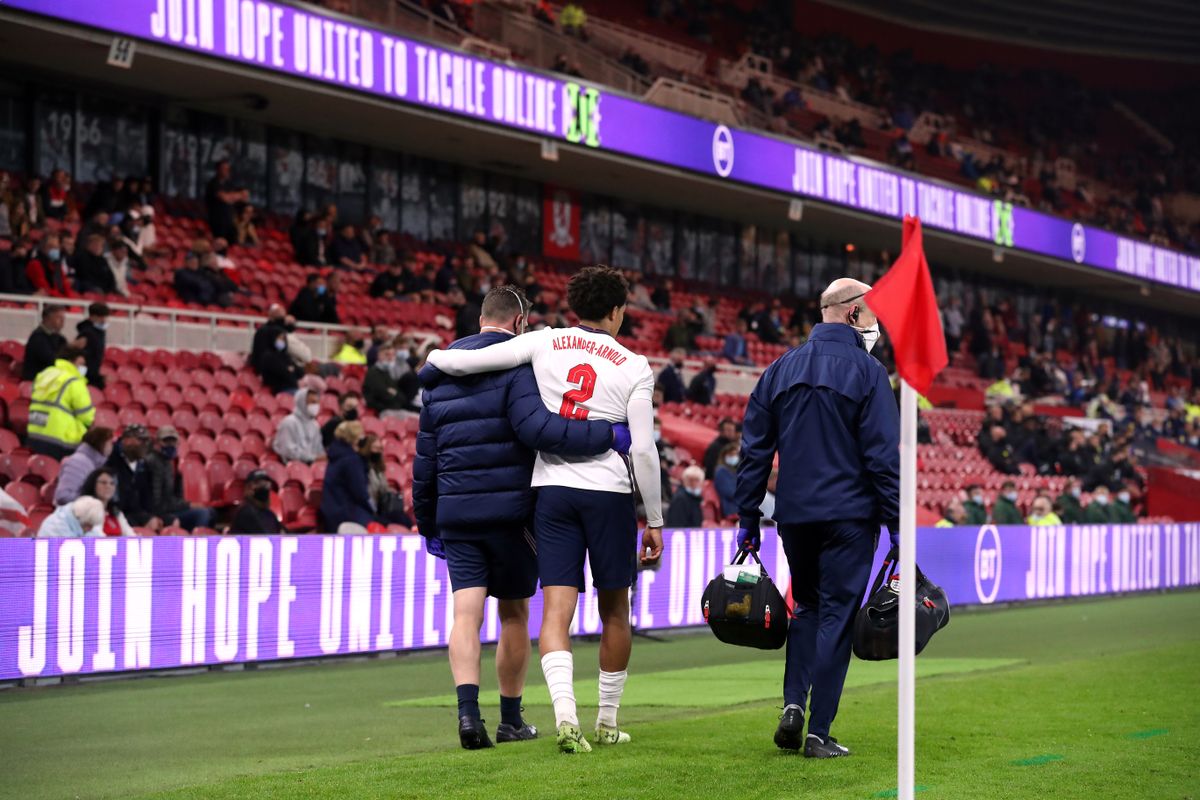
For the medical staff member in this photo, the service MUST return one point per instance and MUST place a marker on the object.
(827, 409)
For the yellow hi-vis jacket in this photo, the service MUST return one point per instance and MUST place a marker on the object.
(60, 408)
(349, 354)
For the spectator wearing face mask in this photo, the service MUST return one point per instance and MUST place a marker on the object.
(1122, 510)
(1098, 511)
(298, 437)
(351, 351)
(274, 364)
(93, 451)
(345, 497)
(382, 393)
(254, 515)
(670, 379)
(388, 505)
(953, 515)
(1041, 512)
(976, 505)
(1069, 509)
(687, 507)
(316, 302)
(47, 271)
(93, 333)
(727, 433)
(134, 492)
(725, 479)
(60, 406)
(1005, 512)
(347, 412)
(166, 486)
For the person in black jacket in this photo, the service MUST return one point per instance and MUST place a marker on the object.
(389, 282)
(316, 302)
(473, 504)
(687, 506)
(254, 515)
(266, 336)
(381, 392)
(135, 493)
(44, 343)
(275, 366)
(92, 331)
(727, 433)
(703, 387)
(345, 498)
(92, 273)
(670, 379)
(347, 412)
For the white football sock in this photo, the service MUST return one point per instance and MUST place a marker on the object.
(612, 686)
(559, 669)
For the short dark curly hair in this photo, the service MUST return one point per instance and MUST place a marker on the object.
(594, 292)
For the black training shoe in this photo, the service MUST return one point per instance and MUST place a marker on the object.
(791, 725)
(511, 733)
(473, 734)
(816, 747)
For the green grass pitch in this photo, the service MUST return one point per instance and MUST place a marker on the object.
(1090, 700)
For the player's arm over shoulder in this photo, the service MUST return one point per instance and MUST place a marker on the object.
(504, 355)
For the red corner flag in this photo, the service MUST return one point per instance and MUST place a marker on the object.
(904, 301)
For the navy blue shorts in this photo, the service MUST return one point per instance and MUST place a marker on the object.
(571, 522)
(504, 564)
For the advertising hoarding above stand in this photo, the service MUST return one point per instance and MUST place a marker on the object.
(82, 606)
(312, 44)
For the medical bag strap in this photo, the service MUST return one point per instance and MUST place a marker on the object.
(740, 558)
(889, 562)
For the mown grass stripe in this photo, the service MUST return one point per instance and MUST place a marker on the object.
(1150, 734)
(1045, 758)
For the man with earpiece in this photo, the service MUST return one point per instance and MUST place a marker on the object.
(828, 410)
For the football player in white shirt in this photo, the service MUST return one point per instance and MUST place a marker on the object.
(585, 505)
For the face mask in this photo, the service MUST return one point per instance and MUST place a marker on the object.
(101, 326)
(731, 461)
(1010, 497)
(870, 336)
(693, 492)
(977, 498)
(404, 354)
(280, 344)
(83, 370)
(1123, 497)
(54, 253)
(321, 289)
(350, 415)
(169, 453)
(1076, 492)
(1102, 499)
(313, 410)
(262, 494)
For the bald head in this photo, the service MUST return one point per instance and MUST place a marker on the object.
(842, 299)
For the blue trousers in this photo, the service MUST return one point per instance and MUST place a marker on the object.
(831, 565)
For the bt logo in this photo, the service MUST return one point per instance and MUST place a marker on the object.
(722, 151)
(1078, 243)
(987, 564)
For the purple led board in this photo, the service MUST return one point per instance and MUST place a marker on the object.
(80, 606)
(332, 50)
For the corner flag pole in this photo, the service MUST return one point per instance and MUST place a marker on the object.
(906, 734)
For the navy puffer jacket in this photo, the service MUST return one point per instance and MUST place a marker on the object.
(476, 447)
(344, 496)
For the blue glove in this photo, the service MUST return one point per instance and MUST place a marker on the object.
(622, 439)
(749, 537)
(435, 547)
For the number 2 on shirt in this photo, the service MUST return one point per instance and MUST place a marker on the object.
(585, 376)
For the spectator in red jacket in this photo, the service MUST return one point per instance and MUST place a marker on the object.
(47, 269)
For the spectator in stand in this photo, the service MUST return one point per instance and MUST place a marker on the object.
(725, 478)
(191, 284)
(246, 231)
(119, 264)
(661, 297)
(298, 437)
(134, 493)
(352, 350)
(687, 506)
(309, 239)
(101, 484)
(670, 379)
(345, 497)
(727, 433)
(953, 515)
(81, 518)
(44, 344)
(388, 505)
(92, 335)
(379, 337)
(30, 210)
(106, 197)
(92, 272)
(736, 350)
(13, 264)
(999, 452)
(682, 333)
(1041, 512)
(60, 407)
(267, 334)
(703, 387)
(347, 412)
(347, 251)
(382, 392)
(220, 197)
(1122, 510)
(639, 296)
(93, 451)
(466, 316)
(706, 315)
(976, 505)
(1067, 506)
(482, 251)
(56, 200)
(1097, 511)
(166, 485)
(46, 270)
(316, 302)
(1113, 473)
(1005, 511)
(254, 515)
(389, 282)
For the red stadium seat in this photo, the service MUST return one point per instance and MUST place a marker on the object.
(43, 468)
(202, 444)
(8, 441)
(24, 493)
(14, 466)
(195, 482)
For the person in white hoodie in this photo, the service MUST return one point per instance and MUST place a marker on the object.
(298, 437)
(80, 518)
